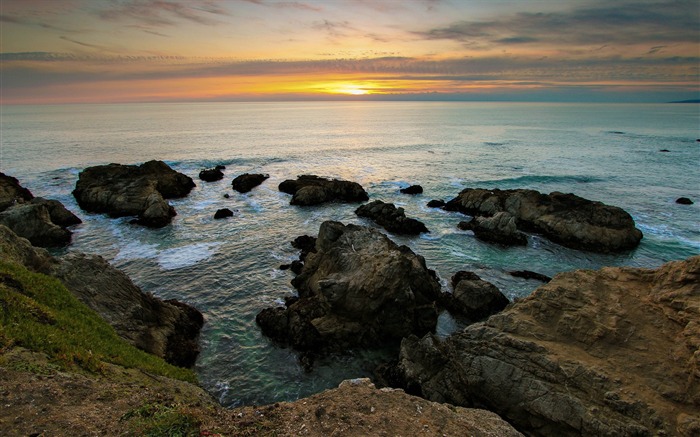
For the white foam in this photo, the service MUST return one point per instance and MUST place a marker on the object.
(185, 256)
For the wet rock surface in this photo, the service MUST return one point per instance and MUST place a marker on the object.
(313, 190)
(391, 218)
(211, 174)
(472, 298)
(247, 181)
(500, 229)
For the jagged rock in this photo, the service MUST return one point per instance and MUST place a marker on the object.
(684, 201)
(608, 352)
(211, 174)
(130, 190)
(306, 244)
(473, 298)
(566, 219)
(168, 329)
(246, 182)
(11, 192)
(391, 218)
(313, 190)
(223, 213)
(500, 228)
(436, 203)
(413, 189)
(527, 274)
(358, 289)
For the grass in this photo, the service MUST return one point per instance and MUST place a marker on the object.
(161, 420)
(38, 313)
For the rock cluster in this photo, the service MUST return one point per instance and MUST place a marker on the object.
(132, 190)
(500, 229)
(247, 181)
(566, 219)
(391, 218)
(168, 329)
(358, 289)
(43, 222)
(313, 190)
(608, 352)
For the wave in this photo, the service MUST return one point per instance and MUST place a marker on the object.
(544, 179)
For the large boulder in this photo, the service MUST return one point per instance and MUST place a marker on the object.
(247, 181)
(608, 352)
(473, 298)
(168, 329)
(131, 190)
(11, 192)
(391, 218)
(211, 174)
(566, 219)
(501, 229)
(358, 289)
(313, 190)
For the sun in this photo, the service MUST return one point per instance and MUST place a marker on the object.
(351, 89)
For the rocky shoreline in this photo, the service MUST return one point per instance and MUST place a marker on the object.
(609, 352)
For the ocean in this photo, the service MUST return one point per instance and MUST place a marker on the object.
(228, 269)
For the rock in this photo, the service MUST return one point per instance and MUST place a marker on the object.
(246, 182)
(313, 190)
(500, 228)
(359, 289)
(527, 274)
(223, 213)
(33, 222)
(11, 192)
(130, 190)
(391, 218)
(684, 201)
(220, 167)
(608, 352)
(306, 244)
(413, 189)
(565, 219)
(436, 203)
(664, 150)
(211, 174)
(473, 298)
(168, 329)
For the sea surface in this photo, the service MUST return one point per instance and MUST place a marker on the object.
(229, 268)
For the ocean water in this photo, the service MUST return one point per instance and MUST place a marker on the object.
(229, 268)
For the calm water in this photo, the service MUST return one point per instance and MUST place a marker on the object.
(229, 269)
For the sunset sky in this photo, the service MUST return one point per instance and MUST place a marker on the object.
(65, 51)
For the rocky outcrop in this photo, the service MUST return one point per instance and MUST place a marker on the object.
(43, 222)
(608, 352)
(566, 219)
(246, 182)
(684, 201)
(168, 329)
(211, 174)
(358, 289)
(436, 203)
(131, 190)
(223, 213)
(391, 218)
(313, 190)
(473, 298)
(413, 189)
(500, 229)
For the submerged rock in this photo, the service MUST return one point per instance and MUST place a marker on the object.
(413, 189)
(211, 174)
(527, 274)
(608, 352)
(391, 218)
(684, 201)
(566, 219)
(358, 289)
(500, 229)
(223, 213)
(313, 190)
(246, 182)
(131, 190)
(436, 203)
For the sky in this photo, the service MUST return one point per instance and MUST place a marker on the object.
(106, 51)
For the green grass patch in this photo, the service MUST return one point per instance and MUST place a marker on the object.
(38, 313)
(159, 420)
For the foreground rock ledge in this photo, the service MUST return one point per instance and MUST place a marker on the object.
(566, 219)
(358, 289)
(608, 352)
(131, 190)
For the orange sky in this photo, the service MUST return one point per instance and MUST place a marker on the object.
(68, 51)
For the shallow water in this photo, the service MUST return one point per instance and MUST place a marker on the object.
(229, 268)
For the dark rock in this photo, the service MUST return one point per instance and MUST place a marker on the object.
(296, 266)
(436, 203)
(33, 222)
(211, 175)
(566, 219)
(227, 196)
(246, 182)
(220, 167)
(223, 213)
(306, 244)
(527, 274)
(473, 298)
(664, 150)
(354, 291)
(413, 189)
(131, 190)
(500, 229)
(11, 192)
(313, 190)
(608, 352)
(684, 201)
(285, 266)
(391, 218)
(59, 214)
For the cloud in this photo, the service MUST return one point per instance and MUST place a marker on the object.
(165, 12)
(286, 5)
